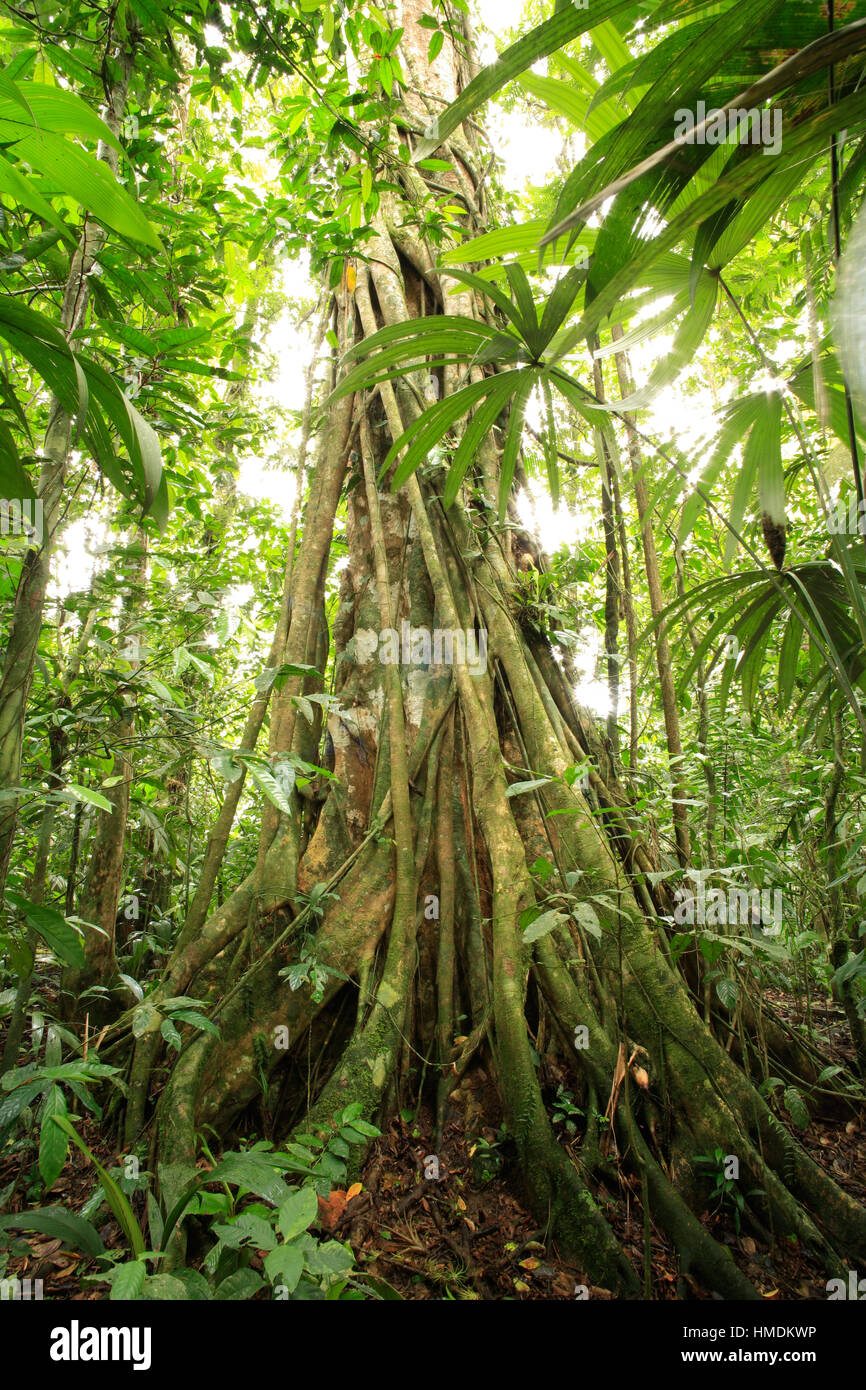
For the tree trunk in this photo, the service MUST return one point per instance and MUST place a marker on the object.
(26, 627)
(662, 646)
(59, 741)
(422, 752)
(840, 939)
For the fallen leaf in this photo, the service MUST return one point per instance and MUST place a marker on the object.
(332, 1208)
(49, 1248)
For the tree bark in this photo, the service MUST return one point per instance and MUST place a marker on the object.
(423, 754)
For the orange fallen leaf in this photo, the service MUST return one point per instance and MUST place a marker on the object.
(332, 1208)
(354, 1190)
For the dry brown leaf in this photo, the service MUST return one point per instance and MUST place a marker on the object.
(332, 1208)
(48, 1248)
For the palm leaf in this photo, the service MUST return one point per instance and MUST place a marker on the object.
(546, 38)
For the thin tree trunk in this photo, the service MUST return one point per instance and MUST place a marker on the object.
(630, 628)
(840, 943)
(707, 764)
(38, 878)
(612, 583)
(26, 625)
(662, 647)
(100, 894)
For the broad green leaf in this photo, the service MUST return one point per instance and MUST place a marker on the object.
(11, 94)
(567, 24)
(89, 181)
(128, 1281)
(285, 1265)
(54, 929)
(330, 1258)
(561, 97)
(164, 1288)
(18, 186)
(59, 1224)
(432, 425)
(588, 919)
(52, 108)
(543, 924)
(92, 798)
(144, 1019)
(518, 788)
(264, 778)
(297, 1212)
(238, 1286)
(196, 1020)
(252, 1171)
(476, 432)
(53, 1143)
(18, 1099)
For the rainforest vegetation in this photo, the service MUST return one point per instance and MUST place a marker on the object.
(432, 649)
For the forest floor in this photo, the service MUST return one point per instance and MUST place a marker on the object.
(465, 1235)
